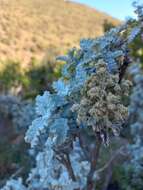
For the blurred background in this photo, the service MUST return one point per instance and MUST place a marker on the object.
(32, 34)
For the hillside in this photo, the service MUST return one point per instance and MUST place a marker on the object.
(29, 27)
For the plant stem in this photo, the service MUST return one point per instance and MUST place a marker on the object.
(70, 169)
(95, 150)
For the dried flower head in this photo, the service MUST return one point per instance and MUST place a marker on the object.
(101, 107)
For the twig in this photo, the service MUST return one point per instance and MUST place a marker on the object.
(111, 161)
(84, 146)
(69, 167)
(124, 66)
(17, 172)
(94, 158)
(65, 160)
(107, 178)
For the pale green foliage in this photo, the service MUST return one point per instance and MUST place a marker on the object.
(45, 106)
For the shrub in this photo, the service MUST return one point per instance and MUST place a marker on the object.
(75, 124)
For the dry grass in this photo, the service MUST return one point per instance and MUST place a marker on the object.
(29, 27)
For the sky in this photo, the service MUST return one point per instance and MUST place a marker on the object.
(120, 9)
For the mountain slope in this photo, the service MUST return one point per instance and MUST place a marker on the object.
(29, 27)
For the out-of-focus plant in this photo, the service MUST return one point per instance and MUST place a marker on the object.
(41, 75)
(21, 113)
(15, 117)
(31, 81)
(10, 75)
(107, 26)
(133, 170)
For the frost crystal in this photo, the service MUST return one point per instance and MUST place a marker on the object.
(14, 185)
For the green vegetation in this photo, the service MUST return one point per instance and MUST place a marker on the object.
(27, 84)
